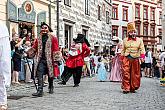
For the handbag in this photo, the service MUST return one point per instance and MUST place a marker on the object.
(31, 53)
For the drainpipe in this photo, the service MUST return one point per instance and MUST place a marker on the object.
(50, 6)
(58, 20)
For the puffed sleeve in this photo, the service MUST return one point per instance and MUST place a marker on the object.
(55, 49)
(85, 50)
(35, 44)
(142, 49)
(123, 49)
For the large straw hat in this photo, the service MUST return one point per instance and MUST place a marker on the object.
(131, 27)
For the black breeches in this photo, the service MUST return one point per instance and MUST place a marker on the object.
(67, 73)
(41, 70)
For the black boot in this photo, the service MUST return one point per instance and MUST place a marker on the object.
(51, 90)
(39, 92)
(76, 85)
(62, 83)
(51, 87)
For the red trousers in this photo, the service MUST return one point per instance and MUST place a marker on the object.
(131, 74)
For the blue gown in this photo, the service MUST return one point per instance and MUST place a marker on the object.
(102, 73)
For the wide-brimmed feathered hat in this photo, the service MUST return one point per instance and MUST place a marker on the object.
(81, 39)
(43, 23)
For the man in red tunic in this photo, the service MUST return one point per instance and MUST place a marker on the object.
(47, 50)
(79, 50)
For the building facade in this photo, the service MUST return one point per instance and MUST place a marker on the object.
(147, 17)
(146, 14)
(122, 13)
(163, 23)
(27, 14)
(90, 17)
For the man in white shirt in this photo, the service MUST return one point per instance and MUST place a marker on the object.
(148, 62)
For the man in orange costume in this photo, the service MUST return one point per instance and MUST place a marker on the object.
(133, 51)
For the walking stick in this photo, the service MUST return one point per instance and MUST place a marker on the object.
(32, 73)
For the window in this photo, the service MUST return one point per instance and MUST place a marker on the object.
(67, 2)
(114, 12)
(138, 29)
(145, 30)
(85, 32)
(160, 32)
(103, 9)
(145, 12)
(152, 13)
(107, 17)
(160, 17)
(125, 14)
(114, 30)
(99, 14)
(152, 31)
(124, 32)
(137, 11)
(87, 7)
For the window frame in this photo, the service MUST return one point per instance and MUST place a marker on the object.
(107, 17)
(160, 31)
(99, 12)
(87, 7)
(145, 7)
(115, 27)
(160, 17)
(152, 14)
(124, 28)
(152, 29)
(125, 9)
(137, 8)
(67, 4)
(138, 30)
(144, 25)
(116, 12)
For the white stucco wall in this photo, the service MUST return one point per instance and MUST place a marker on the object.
(98, 31)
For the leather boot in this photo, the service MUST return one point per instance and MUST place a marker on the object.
(51, 90)
(39, 92)
(51, 87)
(62, 83)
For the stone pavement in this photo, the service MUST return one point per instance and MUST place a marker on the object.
(90, 95)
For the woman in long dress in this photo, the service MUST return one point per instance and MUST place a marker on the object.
(101, 70)
(116, 71)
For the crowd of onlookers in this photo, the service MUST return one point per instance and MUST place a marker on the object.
(22, 67)
(153, 65)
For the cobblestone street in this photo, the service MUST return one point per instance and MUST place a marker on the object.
(90, 95)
